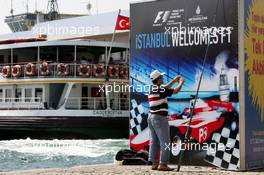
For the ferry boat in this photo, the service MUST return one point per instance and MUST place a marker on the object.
(54, 85)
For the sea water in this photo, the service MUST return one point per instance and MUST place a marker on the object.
(32, 154)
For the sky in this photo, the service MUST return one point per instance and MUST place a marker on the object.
(65, 6)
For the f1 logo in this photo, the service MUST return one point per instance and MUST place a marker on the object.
(162, 15)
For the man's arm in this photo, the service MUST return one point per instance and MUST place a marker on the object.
(178, 88)
(172, 82)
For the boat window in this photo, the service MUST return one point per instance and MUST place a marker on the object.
(2, 59)
(8, 95)
(38, 94)
(96, 92)
(18, 94)
(1, 95)
(28, 95)
(14, 59)
(122, 55)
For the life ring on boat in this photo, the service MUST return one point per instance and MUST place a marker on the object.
(84, 70)
(16, 71)
(63, 69)
(6, 71)
(123, 71)
(113, 71)
(30, 69)
(99, 70)
(45, 69)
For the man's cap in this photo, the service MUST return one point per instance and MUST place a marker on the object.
(155, 74)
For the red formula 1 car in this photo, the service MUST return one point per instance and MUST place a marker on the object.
(208, 117)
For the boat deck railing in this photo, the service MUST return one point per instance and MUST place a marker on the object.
(73, 103)
(97, 103)
(21, 103)
(63, 70)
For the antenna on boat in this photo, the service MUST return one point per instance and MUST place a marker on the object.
(26, 5)
(12, 10)
(36, 6)
(37, 12)
(88, 7)
(52, 10)
(97, 7)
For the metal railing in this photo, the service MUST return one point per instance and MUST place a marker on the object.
(96, 103)
(21, 103)
(72, 103)
(73, 71)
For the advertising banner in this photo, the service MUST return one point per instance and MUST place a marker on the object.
(174, 37)
(254, 77)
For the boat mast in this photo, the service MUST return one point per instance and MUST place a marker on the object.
(38, 59)
(75, 59)
(53, 10)
(12, 57)
(12, 10)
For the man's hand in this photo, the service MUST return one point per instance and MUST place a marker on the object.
(182, 80)
(177, 78)
(178, 88)
(172, 82)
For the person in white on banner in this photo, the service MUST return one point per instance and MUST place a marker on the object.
(158, 119)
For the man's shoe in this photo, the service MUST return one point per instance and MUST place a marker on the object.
(164, 167)
(155, 166)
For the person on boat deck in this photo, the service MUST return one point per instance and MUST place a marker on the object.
(111, 60)
(158, 119)
(84, 61)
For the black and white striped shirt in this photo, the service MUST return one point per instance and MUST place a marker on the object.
(157, 98)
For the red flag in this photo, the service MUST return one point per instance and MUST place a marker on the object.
(122, 23)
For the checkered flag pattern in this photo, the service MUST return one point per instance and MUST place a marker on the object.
(138, 118)
(227, 156)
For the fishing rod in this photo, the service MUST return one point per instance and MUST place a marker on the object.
(187, 134)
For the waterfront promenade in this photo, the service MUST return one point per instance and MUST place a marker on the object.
(110, 169)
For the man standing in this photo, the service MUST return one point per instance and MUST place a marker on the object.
(158, 119)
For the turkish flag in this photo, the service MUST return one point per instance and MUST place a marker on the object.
(122, 23)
